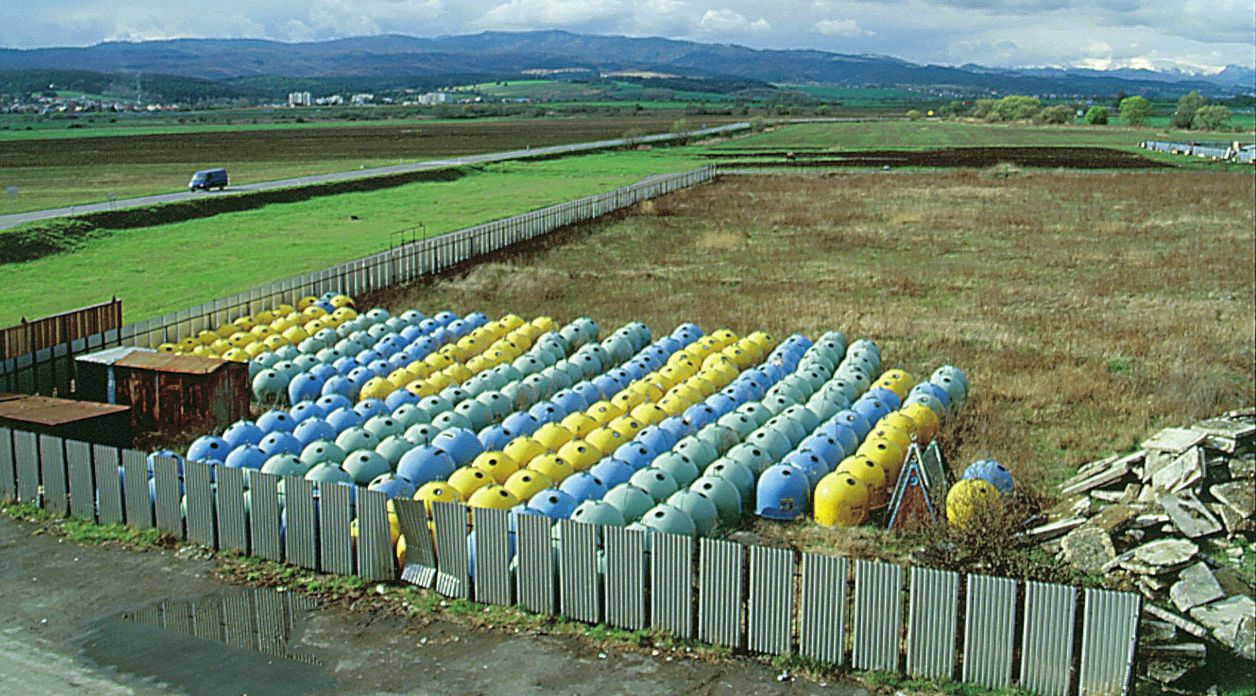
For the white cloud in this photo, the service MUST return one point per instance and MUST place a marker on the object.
(726, 21)
(530, 14)
(838, 27)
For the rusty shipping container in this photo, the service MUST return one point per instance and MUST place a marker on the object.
(103, 424)
(168, 393)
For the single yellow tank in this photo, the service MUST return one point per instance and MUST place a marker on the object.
(970, 500)
(499, 465)
(554, 467)
(841, 500)
(526, 483)
(873, 477)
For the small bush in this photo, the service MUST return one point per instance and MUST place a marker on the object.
(1097, 116)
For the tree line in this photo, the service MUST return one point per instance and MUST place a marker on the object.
(1193, 112)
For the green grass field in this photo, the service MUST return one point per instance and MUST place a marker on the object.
(159, 269)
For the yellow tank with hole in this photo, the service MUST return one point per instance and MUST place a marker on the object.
(512, 321)
(580, 424)
(262, 332)
(479, 364)
(580, 454)
(399, 378)
(526, 483)
(255, 349)
(553, 436)
(470, 345)
(453, 352)
(421, 388)
(439, 381)
(458, 373)
(604, 412)
(343, 314)
(841, 500)
(523, 450)
(204, 352)
(295, 334)
(927, 423)
(717, 377)
(520, 338)
(724, 337)
(873, 477)
(188, 344)
(887, 454)
(225, 330)
(545, 324)
(468, 480)
(649, 414)
(437, 492)
(245, 323)
(305, 302)
(494, 497)
(627, 400)
(606, 439)
(972, 500)
(554, 467)
(284, 310)
(341, 301)
(499, 465)
(265, 316)
(659, 380)
(419, 369)
(220, 346)
(206, 338)
(167, 348)
(898, 381)
(241, 339)
(626, 426)
(377, 388)
(673, 405)
(685, 393)
(236, 355)
(903, 422)
(651, 391)
(438, 361)
(702, 386)
(885, 431)
(764, 340)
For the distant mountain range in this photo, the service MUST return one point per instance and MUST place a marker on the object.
(394, 59)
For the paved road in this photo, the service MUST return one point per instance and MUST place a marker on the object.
(7, 221)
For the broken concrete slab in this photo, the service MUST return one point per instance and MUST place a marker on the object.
(1088, 549)
(1152, 632)
(1154, 461)
(1239, 495)
(1233, 522)
(1245, 638)
(1181, 622)
(1195, 586)
(1107, 496)
(1188, 514)
(1223, 617)
(1223, 429)
(1186, 470)
(1147, 520)
(1088, 469)
(1100, 479)
(1166, 553)
(1053, 530)
(1174, 440)
(1169, 663)
(1242, 468)
(1114, 518)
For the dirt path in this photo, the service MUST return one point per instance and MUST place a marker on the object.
(60, 633)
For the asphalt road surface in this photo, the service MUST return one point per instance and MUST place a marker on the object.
(61, 633)
(7, 221)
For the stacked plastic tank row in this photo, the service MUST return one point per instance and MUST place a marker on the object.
(268, 331)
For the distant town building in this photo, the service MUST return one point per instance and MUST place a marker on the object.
(332, 100)
(436, 98)
(362, 99)
(299, 99)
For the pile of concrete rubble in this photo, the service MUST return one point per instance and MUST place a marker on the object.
(1174, 521)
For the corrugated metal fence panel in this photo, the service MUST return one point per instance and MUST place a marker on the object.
(264, 515)
(200, 492)
(420, 561)
(8, 474)
(451, 549)
(26, 460)
(492, 557)
(580, 589)
(625, 577)
(989, 630)
(1047, 646)
(207, 620)
(719, 592)
(671, 583)
(108, 484)
(1109, 630)
(771, 606)
(335, 515)
(822, 614)
(169, 494)
(535, 575)
(139, 502)
(233, 533)
(52, 471)
(78, 461)
(878, 616)
(301, 522)
(178, 617)
(932, 615)
(376, 560)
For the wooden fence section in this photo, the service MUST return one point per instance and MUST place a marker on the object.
(867, 614)
(38, 356)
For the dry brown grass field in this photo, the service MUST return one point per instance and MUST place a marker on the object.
(1088, 309)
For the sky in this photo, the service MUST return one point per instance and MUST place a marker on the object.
(1188, 35)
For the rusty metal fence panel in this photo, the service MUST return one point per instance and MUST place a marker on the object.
(719, 592)
(135, 489)
(375, 552)
(878, 616)
(52, 472)
(169, 496)
(535, 577)
(200, 497)
(300, 523)
(233, 533)
(492, 557)
(1047, 646)
(450, 521)
(989, 625)
(771, 608)
(1109, 632)
(580, 595)
(108, 485)
(625, 577)
(420, 561)
(822, 614)
(26, 460)
(78, 462)
(263, 499)
(671, 583)
(335, 515)
(932, 612)
(8, 474)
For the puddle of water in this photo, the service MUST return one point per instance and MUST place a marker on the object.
(229, 644)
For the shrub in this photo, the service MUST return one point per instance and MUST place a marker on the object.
(1210, 117)
(1097, 116)
(913, 115)
(1058, 114)
(1135, 110)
